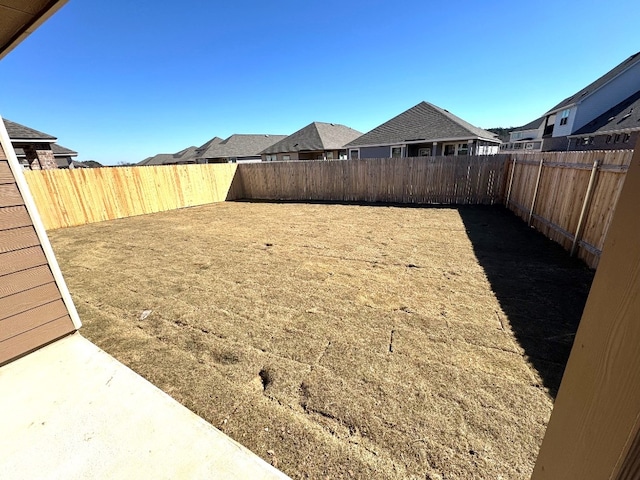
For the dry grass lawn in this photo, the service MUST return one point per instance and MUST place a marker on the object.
(340, 341)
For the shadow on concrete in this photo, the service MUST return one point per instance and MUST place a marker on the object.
(541, 290)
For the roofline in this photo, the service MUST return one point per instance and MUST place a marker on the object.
(28, 28)
(34, 140)
(573, 104)
(606, 132)
(413, 142)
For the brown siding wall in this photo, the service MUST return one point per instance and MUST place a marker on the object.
(32, 312)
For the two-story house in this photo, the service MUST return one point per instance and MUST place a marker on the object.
(594, 111)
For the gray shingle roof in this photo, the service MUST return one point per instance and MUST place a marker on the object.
(187, 155)
(203, 148)
(422, 122)
(531, 125)
(20, 132)
(159, 159)
(59, 150)
(592, 87)
(239, 145)
(624, 116)
(316, 136)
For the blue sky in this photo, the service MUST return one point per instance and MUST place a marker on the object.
(119, 81)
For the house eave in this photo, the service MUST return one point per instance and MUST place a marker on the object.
(429, 140)
(33, 140)
(607, 132)
(24, 28)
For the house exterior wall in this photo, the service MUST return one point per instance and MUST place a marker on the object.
(533, 134)
(40, 157)
(555, 144)
(606, 97)
(32, 311)
(375, 152)
(567, 128)
(599, 142)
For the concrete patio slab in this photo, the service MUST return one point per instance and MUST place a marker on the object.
(71, 411)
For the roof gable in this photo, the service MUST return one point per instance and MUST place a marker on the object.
(317, 136)
(424, 122)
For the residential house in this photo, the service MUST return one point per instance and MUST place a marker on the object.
(34, 146)
(616, 129)
(238, 148)
(185, 156)
(64, 157)
(424, 130)
(585, 119)
(316, 141)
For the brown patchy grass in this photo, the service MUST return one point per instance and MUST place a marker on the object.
(339, 341)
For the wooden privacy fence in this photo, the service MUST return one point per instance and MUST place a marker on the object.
(569, 196)
(421, 180)
(79, 196)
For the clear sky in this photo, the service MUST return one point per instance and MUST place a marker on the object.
(119, 81)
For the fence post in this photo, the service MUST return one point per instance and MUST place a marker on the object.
(513, 172)
(585, 204)
(535, 192)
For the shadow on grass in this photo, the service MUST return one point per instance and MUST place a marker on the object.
(541, 290)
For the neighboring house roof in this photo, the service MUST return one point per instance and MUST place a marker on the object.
(239, 145)
(159, 159)
(624, 116)
(203, 148)
(186, 155)
(59, 150)
(531, 125)
(317, 136)
(596, 85)
(19, 132)
(424, 122)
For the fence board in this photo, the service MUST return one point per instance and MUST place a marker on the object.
(421, 180)
(562, 191)
(76, 197)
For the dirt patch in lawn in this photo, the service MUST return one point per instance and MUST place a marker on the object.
(340, 341)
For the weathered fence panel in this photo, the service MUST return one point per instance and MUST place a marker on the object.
(557, 204)
(79, 196)
(420, 180)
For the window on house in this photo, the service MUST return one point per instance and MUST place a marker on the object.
(564, 116)
(608, 140)
(329, 155)
(396, 152)
(463, 149)
(271, 158)
(424, 152)
(616, 139)
(587, 141)
(449, 149)
(354, 154)
(626, 137)
(286, 158)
